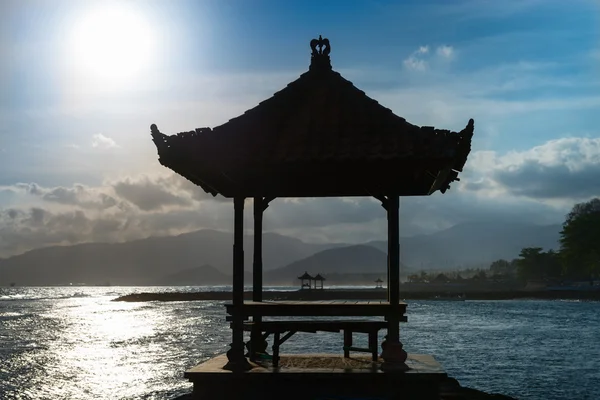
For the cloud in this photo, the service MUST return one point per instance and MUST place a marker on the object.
(420, 59)
(446, 52)
(563, 169)
(415, 61)
(103, 142)
(81, 196)
(511, 103)
(537, 185)
(119, 210)
(78, 195)
(22, 230)
(151, 194)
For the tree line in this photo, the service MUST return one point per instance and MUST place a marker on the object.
(578, 257)
(475, 274)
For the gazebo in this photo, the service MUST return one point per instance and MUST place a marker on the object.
(305, 281)
(318, 137)
(378, 283)
(319, 278)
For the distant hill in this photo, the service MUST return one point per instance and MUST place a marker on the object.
(199, 276)
(473, 244)
(356, 259)
(145, 261)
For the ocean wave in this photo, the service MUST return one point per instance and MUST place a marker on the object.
(24, 297)
(8, 316)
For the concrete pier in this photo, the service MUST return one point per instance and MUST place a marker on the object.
(318, 377)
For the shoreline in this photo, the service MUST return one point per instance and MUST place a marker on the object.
(365, 294)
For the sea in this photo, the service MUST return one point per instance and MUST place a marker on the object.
(77, 343)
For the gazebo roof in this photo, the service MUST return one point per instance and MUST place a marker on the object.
(319, 277)
(319, 136)
(378, 280)
(305, 276)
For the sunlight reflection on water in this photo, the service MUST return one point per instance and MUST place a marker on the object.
(75, 343)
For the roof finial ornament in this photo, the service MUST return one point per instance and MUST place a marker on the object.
(322, 44)
(320, 53)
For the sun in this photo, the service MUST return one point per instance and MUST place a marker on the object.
(111, 44)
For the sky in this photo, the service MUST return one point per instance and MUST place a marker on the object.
(81, 83)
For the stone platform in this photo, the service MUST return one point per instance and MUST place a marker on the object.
(318, 377)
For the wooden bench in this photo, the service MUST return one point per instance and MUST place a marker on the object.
(289, 328)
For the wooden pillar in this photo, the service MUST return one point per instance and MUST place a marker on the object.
(235, 355)
(385, 203)
(238, 251)
(257, 266)
(394, 248)
(393, 354)
(257, 343)
(347, 342)
(260, 205)
(394, 265)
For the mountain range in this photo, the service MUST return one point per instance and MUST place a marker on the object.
(474, 244)
(354, 259)
(161, 260)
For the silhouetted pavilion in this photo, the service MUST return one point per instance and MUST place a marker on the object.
(305, 281)
(378, 284)
(319, 278)
(318, 137)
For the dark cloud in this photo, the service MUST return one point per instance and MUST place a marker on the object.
(564, 169)
(149, 195)
(37, 216)
(536, 180)
(12, 214)
(80, 195)
(30, 188)
(359, 220)
(475, 186)
(37, 227)
(121, 210)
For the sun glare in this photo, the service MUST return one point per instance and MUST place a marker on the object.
(111, 44)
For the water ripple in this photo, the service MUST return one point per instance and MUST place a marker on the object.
(75, 343)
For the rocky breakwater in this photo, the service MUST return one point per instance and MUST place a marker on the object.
(449, 390)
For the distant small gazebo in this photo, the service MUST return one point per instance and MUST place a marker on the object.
(306, 281)
(379, 283)
(319, 278)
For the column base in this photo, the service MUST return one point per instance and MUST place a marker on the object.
(394, 357)
(237, 361)
(238, 366)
